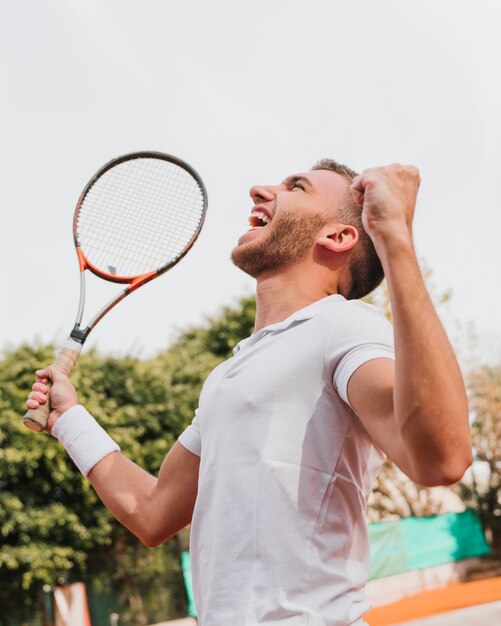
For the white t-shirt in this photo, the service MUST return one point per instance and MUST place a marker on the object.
(278, 533)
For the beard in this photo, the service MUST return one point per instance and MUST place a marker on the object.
(289, 240)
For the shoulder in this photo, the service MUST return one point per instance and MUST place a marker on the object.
(361, 308)
(356, 316)
(358, 332)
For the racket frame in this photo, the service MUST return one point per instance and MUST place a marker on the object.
(80, 334)
(67, 357)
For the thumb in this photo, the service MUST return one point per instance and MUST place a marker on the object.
(357, 189)
(51, 373)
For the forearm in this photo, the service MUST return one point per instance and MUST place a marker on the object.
(430, 404)
(132, 495)
(154, 509)
(123, 486)
(125, 489)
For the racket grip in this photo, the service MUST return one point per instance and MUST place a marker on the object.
(66, 359)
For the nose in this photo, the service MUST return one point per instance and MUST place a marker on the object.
(260, 193)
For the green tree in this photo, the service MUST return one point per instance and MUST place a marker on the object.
(52, 525)
(40, 534)
(198, 350)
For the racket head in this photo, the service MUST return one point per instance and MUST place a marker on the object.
(138, 216)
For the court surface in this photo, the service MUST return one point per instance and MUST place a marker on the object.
(481, 615)
(475, 603)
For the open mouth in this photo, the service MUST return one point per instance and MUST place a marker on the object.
(259, 218)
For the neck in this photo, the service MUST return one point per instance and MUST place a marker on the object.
(281, 294)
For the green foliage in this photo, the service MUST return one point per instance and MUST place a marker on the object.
(53, 527)
(217, 338)
(226, 330)
(198, 350)
(42, 539)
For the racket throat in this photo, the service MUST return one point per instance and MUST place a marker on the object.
(79, 334)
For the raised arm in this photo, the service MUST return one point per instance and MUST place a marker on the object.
(416, 410)
(152, 508)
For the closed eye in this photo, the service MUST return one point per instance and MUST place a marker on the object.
(294, 184)
(297, 182)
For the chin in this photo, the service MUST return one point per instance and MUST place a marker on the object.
(240, 259)
(254, 260)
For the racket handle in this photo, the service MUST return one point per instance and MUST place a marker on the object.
(66, 359)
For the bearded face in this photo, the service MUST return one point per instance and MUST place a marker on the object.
(286, 240)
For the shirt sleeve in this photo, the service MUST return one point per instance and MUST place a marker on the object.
(190, 437)
(361, 334)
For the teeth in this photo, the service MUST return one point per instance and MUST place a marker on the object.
(259, 215)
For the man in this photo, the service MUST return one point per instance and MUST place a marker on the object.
(278, 463)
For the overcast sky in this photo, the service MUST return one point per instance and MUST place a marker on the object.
(247, 92)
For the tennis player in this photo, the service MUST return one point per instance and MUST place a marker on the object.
(275, 470)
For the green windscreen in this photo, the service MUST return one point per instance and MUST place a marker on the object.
(186, 567)
(419, 542)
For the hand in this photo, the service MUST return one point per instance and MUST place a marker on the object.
(388, 197)
(62, 393)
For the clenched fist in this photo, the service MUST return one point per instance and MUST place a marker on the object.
(388, 197)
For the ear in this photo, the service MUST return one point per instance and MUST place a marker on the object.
(341, 238)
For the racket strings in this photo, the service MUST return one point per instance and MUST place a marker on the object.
(133, 227)
(139, 216)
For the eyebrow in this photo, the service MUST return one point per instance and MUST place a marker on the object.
(298, 179)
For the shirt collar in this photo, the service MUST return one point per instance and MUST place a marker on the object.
(305, 313)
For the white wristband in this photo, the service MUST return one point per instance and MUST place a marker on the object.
(85, 441)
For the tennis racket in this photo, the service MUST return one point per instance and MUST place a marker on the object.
(136, 218)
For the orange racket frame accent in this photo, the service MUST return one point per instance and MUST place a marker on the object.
(80, 334)
(133, 281)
